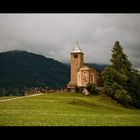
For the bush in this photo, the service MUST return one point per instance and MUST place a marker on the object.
(91, 88)
(122, 97)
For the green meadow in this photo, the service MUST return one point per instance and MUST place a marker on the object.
(67, 109)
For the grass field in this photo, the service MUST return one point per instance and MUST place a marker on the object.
(67, 109)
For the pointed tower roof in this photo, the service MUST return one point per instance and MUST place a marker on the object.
(76, 48)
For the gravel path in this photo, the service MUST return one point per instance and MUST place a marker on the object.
(20, 97)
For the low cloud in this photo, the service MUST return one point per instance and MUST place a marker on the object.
(54, 35)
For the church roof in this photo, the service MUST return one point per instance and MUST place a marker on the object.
(86, 67)
(76, 48)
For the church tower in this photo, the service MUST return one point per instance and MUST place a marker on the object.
(76, 62)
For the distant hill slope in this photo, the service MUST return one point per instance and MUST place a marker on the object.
(23, 69)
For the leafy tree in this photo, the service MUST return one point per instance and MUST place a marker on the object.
(133, 87)
(113, 80)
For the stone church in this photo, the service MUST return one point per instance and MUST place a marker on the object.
(81, 74)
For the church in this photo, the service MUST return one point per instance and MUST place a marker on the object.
(81, 74)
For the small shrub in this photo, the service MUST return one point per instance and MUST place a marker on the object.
(122, 97)
(91, 88)
(78, 90)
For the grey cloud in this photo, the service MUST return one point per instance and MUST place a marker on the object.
(53, 35)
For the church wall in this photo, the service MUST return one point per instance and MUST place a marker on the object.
(85, 76)
(99, 80)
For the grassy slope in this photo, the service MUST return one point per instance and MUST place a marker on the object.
(60, 110)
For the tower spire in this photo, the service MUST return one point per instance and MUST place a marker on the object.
(76, 48)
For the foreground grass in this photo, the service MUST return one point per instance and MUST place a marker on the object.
(67, 109)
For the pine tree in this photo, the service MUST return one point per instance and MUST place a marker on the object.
(121, 80)
(120, 60)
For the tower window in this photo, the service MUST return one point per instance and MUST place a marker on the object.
(75, 56)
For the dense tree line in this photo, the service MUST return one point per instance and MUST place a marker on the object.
(121, 80)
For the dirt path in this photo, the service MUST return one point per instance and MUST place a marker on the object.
(21, 97)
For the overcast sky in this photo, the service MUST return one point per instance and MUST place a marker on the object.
(54, 35)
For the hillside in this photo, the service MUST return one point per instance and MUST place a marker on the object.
(20, 69)
(67, 109)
